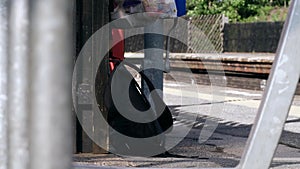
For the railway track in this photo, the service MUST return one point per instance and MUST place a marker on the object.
(241, 70)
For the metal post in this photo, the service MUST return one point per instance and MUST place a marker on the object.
(100, 19)
(92, 15)
(74, 36)
(278, 97)
(153, 65)
(3, 84)
(18, 85)
(50, 85)
(153, 61)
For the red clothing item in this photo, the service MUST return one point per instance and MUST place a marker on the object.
(118, 48)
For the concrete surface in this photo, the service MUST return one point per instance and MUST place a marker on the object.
(232, 109)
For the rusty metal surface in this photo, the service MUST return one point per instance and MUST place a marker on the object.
(243, 63)
(226, 66)
(238, 57)
(254, 63)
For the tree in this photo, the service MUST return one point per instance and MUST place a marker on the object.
(235, 10)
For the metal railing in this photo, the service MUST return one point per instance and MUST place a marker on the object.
(35, 80)
(49, 66)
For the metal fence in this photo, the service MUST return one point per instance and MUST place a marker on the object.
(204, 35)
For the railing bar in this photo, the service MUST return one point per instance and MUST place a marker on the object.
(3, 84)
(50, 84)
(18, 157)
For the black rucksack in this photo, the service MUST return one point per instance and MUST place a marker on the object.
(161, 124)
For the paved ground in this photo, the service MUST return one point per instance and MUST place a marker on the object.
(233, 114)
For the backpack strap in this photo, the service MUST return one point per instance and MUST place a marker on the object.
(140, 71)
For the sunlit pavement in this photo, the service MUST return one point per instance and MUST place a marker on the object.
(230, 113)
(234, 111)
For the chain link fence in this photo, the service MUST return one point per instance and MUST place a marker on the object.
(204, 34)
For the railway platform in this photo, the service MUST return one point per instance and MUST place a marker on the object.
(227, 143)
